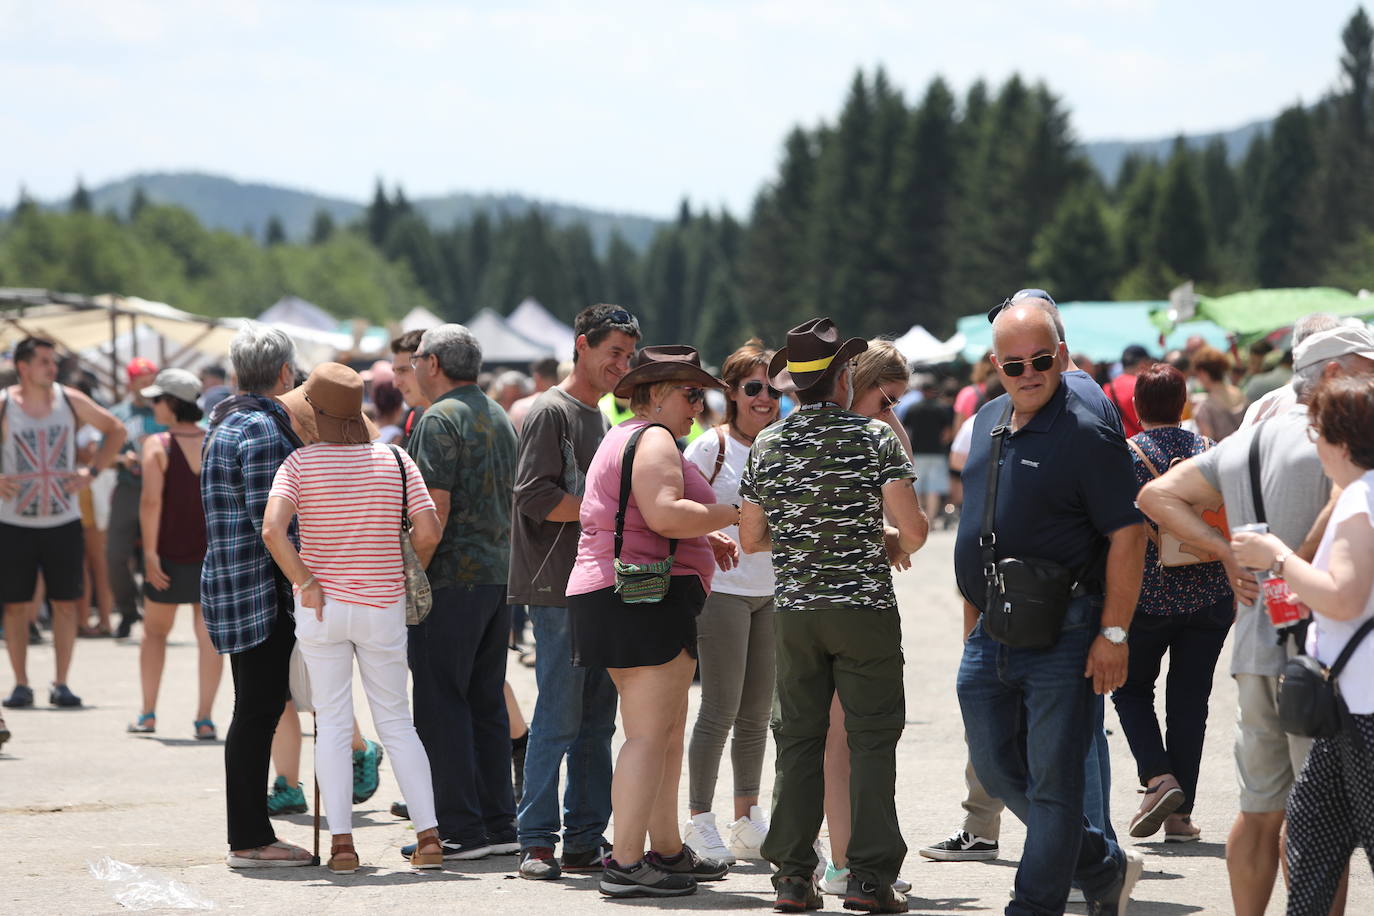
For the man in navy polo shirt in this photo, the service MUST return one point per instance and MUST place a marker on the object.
(1065, 487)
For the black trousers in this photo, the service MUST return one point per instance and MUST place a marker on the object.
(261, 688)
(458, 660)
(1193, 642)
(122, 553)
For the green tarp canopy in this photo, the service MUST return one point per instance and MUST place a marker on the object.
(1259, 311)
(1102, 330)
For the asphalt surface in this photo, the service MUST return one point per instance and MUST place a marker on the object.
(76, 789)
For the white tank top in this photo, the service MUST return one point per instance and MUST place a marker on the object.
(39, 455)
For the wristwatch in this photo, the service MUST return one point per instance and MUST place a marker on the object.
(1114, 635)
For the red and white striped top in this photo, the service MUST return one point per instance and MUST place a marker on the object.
(348, 508)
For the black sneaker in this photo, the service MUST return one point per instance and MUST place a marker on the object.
(538, 863)
(688, 862)
(962, 846)
(796, 895)
(644, 880)
(452, 850)
(872, 897)
(587, 860)
(62, 696)
(20, 698)
(503, 844)
(400, 809)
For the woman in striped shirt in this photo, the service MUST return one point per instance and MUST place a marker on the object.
(348, 495)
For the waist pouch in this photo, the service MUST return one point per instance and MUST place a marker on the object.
(1026, 602)
(643, 583)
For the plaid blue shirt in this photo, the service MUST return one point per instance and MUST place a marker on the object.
(240, 587)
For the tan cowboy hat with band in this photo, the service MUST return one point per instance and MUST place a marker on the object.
(671, 362)
(814, 353)
(329, 407)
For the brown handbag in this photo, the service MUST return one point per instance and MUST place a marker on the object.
(1171, 550)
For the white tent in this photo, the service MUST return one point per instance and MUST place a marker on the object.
(419, 319)
(531, 319)
(503, 344)
(294, 310)
(920, 346)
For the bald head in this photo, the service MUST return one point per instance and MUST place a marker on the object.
(1022, 336)
(1024, 315)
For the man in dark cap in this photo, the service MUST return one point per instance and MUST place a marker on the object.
(814, 491)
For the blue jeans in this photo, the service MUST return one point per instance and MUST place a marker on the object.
(574, 715)
(1030, 719)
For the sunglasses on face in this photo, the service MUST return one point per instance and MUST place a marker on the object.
(693, 394)
(754, 386)
(1041, 363)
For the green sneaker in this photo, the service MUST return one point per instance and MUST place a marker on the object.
(284, 799)
(366, 766)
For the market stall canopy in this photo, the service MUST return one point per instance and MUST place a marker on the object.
(1102, 330)
(1259, 311)
(294, 310)
(919, 346)
(531, 319)
(420, 319)
(503, 344)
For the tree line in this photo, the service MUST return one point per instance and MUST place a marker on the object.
(900, 211)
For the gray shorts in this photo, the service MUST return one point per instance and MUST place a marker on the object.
(932, 473)
(1268, 759)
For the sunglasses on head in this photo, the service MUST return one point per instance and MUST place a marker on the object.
(693, 393)
(754, 386)
(1041, 363)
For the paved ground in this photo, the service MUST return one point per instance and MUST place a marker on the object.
(75, 788)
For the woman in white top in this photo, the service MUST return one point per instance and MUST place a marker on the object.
(1331, 808)
(735, 629)
(349, 495)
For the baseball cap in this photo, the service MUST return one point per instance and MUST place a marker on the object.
(179, 383)
(1325, 346)
(1017, 297)
(140, 365)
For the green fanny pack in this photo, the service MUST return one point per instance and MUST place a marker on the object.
(638, 583)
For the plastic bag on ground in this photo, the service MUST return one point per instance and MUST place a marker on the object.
(138, 888)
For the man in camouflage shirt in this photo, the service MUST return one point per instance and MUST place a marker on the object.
(814, 491)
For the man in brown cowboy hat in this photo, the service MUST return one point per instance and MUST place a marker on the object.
(814, 491)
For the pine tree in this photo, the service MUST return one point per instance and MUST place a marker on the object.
(1179, 224)
(275, 233)
(1221, 190)
(322, 228)
(138, 202)
(1074, 255)
(1282, 256)
(377, 217)
(81, 199)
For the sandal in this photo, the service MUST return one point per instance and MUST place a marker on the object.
(1161, 800)
(143, 726)
(1182, 830)
(343, 860)
(429, 853)
(253, 858)
(205, 730)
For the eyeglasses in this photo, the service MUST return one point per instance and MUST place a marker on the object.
(693, 393)
(754, 386)
(888, 400)
(1014, 367)
(1313, 434)
(414, 360)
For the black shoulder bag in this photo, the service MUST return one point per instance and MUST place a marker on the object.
(1310, 702)
(1026, 599)
(638, 583)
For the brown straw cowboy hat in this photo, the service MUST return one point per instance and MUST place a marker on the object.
(814, 353)
(329, 407)
(671, 362)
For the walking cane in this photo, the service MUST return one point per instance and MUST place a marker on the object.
(315, 746)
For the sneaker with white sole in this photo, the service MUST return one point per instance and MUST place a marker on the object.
(1120, 896)
(961, 846)
(701, 834)
(748, 833)
(836, 882)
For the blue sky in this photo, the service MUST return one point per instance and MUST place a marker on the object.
(626, 105)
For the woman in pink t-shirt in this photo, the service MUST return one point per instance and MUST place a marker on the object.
(348, 495)
(650, 648)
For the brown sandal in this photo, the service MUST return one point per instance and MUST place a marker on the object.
(343, 860)
(429, 853)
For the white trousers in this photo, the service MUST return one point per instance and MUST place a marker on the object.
(377, 636)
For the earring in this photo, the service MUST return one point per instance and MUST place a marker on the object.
(658, 409)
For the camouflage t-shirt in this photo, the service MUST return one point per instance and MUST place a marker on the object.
(465, 444)
(818, 476)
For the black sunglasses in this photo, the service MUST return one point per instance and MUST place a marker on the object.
(754, 386)
(693, 393)
(620, 316)
(1041, 363)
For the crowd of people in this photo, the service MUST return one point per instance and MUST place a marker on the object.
(653, 522)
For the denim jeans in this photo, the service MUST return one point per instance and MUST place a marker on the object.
(574, 715)
(1029, 717)
(457, 658)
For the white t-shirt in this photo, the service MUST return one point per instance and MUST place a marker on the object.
(1328, 637)
(753, 577)
(963, 439)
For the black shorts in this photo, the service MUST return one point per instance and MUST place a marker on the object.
(185, 587)
(608, 633)
(60, 552)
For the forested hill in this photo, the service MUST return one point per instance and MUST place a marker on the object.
(223, 203)
(1107, 156)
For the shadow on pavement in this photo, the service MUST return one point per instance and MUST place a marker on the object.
(1185, 850)
(366, 876)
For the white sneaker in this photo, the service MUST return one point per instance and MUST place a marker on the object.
(822, 860)
(701, 834)
(748, 833)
